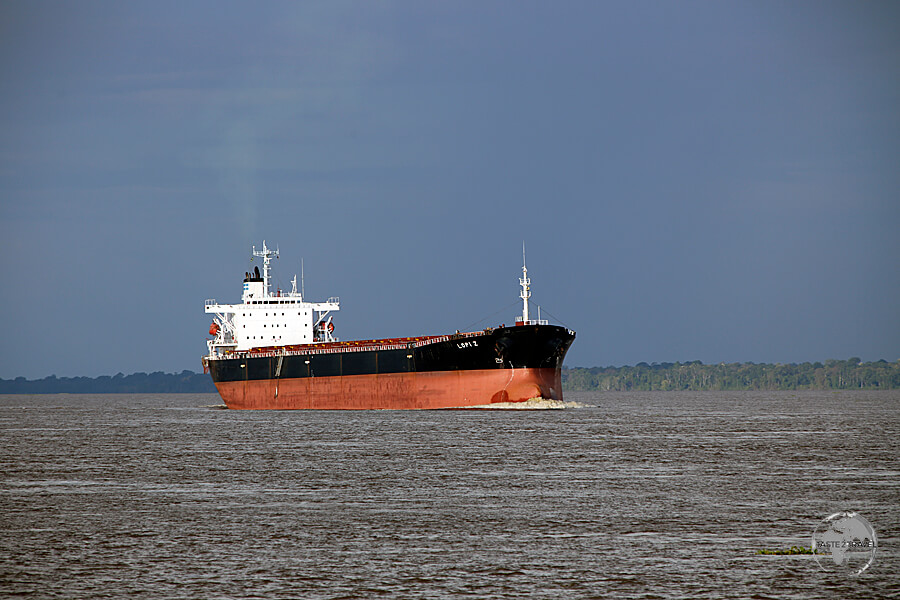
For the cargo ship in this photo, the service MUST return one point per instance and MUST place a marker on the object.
(275, 350)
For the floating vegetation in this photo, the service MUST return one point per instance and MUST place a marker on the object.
(791, 550)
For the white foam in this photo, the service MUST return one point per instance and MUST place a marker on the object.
(532, 404)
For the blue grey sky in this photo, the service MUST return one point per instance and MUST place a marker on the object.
(715, 181)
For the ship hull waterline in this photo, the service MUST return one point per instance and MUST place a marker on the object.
(400, 391)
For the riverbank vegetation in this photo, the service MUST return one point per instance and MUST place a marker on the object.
(830, 375)
(137, 383)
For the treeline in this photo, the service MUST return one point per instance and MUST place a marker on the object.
(138, 383)
(832, 375)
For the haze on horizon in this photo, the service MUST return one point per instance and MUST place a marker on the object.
(694, 180)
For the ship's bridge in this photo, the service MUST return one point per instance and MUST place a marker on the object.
(266, 319)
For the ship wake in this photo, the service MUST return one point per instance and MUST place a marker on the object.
(532, 404)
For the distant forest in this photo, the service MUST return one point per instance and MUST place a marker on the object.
(185, 382)
(830, 375)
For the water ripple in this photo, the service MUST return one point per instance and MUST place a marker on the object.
(637, 495)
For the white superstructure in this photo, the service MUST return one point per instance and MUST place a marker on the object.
(265, 319)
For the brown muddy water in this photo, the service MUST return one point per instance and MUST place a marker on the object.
(637, 495)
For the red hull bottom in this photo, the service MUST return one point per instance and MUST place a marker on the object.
(441, 389)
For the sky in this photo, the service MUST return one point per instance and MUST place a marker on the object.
(714, 181)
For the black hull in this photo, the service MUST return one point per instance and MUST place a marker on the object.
(522, 347)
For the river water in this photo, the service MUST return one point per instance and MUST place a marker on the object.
(638, 495)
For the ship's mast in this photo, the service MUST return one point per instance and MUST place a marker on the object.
(525, 294)
(266, 254)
